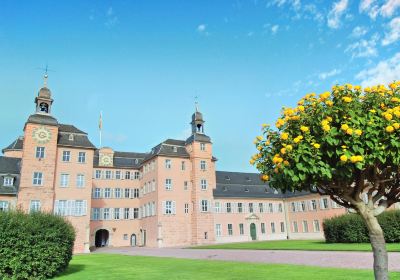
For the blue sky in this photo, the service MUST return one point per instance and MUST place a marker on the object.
(143, 62)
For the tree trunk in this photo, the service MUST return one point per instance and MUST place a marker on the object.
(378, 244)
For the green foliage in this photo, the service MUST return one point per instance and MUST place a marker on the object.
(350, 228)
(34, 246)
(331, 138)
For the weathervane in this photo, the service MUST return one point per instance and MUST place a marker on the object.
(196, 103)
(46, 76)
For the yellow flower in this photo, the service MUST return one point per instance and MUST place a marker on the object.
(264, 125)
(326, 127)
(283, 151)
(304, 128)
(389, 129)
(265, 177)
(317, 146)
(349, 86)
(259, 138)
(392, 85)
(358, 88)
(358, 132)
(301, 108)
(324, 95)
(279, 123)
(396, 125)
(259, 148)
(347, 99)
(296, 140)
(395, 99)
(329, 119)
(388, 116)
(343, 158)
(286, 163)
(324, 122)
(359, 158)
(284, 136)
(267, 143)
(344, 127)
(353, 159)
(372, 111)
(349, 131)
(344, 147)
(367, 89)
(289, 148)
(252, 162)
(329, 103)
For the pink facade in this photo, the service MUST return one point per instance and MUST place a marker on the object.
(170, 196)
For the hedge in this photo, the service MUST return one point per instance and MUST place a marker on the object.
(350, 228)
(34, 246)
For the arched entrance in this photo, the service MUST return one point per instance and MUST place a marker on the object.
(133, 240)
(253, 231)
(102, 236)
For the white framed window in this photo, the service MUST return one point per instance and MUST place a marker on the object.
(280, 208)
(203, 165)
(107, 193)
(168, 184)
(263, 228)
(270, 207)
(40, 152)
(127, 175)
(64, 180)
(137, 175)
(218, 231)
(240, 207)
(282, 227)
(293, 206)
(295, 227)
(106, 213)
(202, 146)
(228, 207)
(125, 237)
(316, 226)
(230, 229)
(118, 175)
(217, 207)
(126, 213)
(305, 226)
(272, 227)
(136, 193)
(97, 193)
(34, 206)
(203, 184)
(79, 208)
(186, 208)
(37, 178)
(81, 157)
(185, 185)
(80, 180)
(313, 204)
(136, 213)
(168, 164)
(108, 175)
(183, 165)
(169, 207)
(3, 206)
(303, 206)
(324, 203)
(60, 207)
(8, 181)
(241, 229)
(116, 214)
(98, 174)
(96, 214)
(66, 156)
(204, 205)
(117, 193)
(251, 207)
(127, 193)
(261, 207)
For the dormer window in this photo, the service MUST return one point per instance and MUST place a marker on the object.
(275, 192)
(225, 189)
(71, 137)
(266, 190)
(248, 179)
(175, 149)
(136, 161)
(227, 178)
(246, 190)
(8, 181)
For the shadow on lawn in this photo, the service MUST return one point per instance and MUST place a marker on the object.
(72, 268)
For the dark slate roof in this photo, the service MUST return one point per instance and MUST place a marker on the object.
(67, 128)
(247, 185)
(42, 119)
(198, 137)
(16, 145)
(123, 159)
(79, 141)
(9, 165)
(167, 148)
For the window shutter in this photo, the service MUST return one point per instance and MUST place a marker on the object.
(84, 210)
(163, 208)
(321, 203)
(173, 207)
(101, 214)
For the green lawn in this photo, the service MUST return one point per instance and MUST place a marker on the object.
(103, 266)
(312, 245)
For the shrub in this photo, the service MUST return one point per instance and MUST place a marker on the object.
(34, 246)
(350, 228)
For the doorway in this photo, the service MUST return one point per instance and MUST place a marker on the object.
(253, 231)
(133, 240)
(102, 236)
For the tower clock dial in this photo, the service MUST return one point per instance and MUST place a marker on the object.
(42, 135)
(106, 160)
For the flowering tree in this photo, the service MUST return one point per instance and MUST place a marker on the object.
(344, 144)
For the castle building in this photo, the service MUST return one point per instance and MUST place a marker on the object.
(170, 196)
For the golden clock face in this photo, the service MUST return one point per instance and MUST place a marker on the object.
(42, 135)
(106, 160)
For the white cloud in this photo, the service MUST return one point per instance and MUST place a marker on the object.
(359, 31)
(202, 29)
(274, 29)
(384, 72)
(335, 14)
(325, 75)
(388, 9)
(111, 18)
(394, 32)
(364, 48)
(369, 7)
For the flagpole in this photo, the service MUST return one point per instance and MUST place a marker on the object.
(100, 126)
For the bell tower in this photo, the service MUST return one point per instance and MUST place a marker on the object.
(43, 100)
(197, 122)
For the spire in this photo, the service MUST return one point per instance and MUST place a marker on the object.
(196, 103)
(45, 77)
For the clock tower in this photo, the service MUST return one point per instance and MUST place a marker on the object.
(39, 158)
